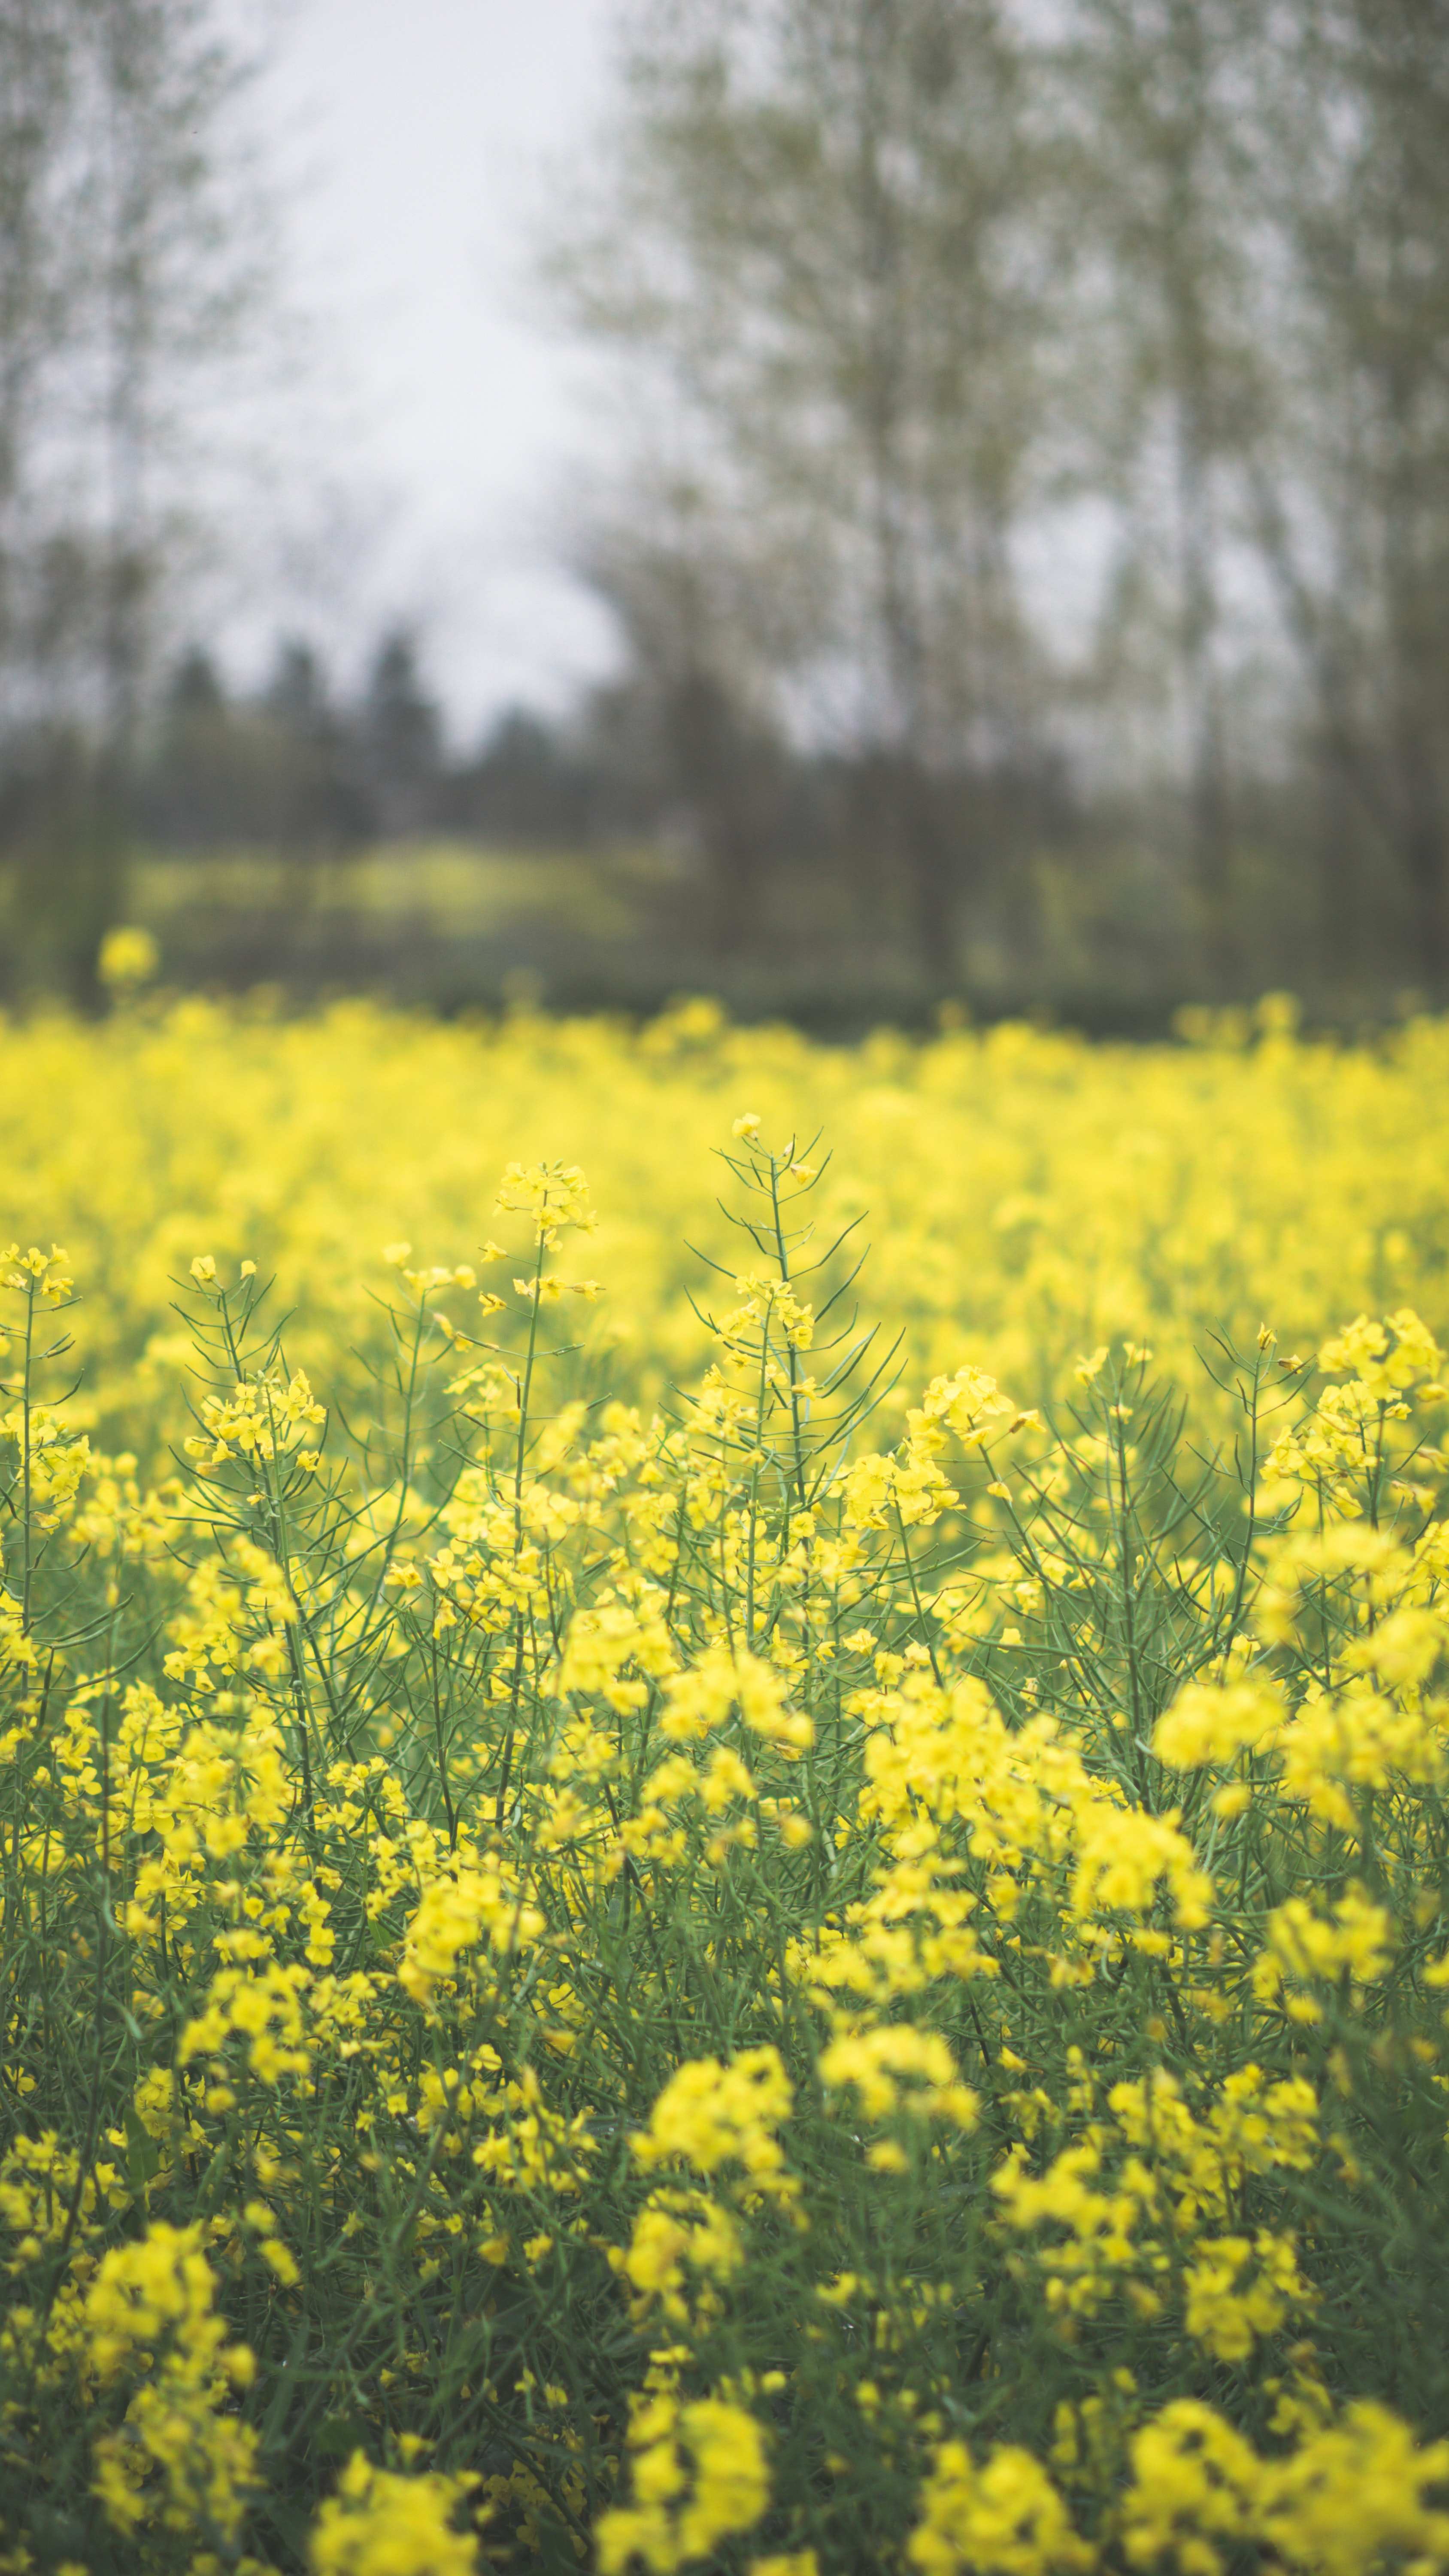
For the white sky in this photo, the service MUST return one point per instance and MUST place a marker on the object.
(420, 140)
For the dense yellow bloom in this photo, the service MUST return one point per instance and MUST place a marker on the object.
(1387, 1358)
(797, 1969)
(675, 2234)
(1354, 2496)
(711, 2115)
(150, 2310)
(1238, 2290)
(1215, 1724)
(555, 1195)
(129, 956)
(306, 1144)
(1195, 2486)
(895, 2067)
(719, 1681)
(454, 1915)
(161, 2287)
(1356, 1941)
(378, 2524)
(698, 2477)
(1004, 2519)
(1351, 2498)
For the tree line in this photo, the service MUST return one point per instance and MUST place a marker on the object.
(1032, 479)
(932, 309)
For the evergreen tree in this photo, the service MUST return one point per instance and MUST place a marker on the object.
(399, 739)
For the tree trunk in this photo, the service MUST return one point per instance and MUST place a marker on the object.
(1425, 859)
(920, 838)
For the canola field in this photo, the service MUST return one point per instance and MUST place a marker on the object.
(722, 1799)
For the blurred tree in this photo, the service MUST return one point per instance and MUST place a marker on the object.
(189, 794)
(127, 273)
(1167, 351)
(1352, 491)
(822, 233)
(531, 781)
(297, 695)
(693, 709)
(295, 770)
(399, 739)
(196, 694)
(219, 773)
(318, 801)
(42, 281)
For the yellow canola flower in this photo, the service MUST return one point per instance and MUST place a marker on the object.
(202, 1124)
(898, 2068)
(603, 1641)
(1240, 2289)
(675, 2234)
(590, 1648)
(455, 1914)
(1027, 1799)
(1003, 2519)
(1387, 1358)
(1403, 1648)
(1124, 1855)
(1195, 2484)
(554, 1195)
(1352, 1740)
(129, 956)
(711, 2115)
(1210, 1723)
(181, 2451)
(1355, 1942)
(380, 2524)
(1352, 2498)
(161, 2286)
(719, 1681)
(698, 2475)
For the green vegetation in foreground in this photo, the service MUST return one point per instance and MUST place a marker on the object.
(697, 1992)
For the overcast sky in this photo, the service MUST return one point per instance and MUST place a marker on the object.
(420, 141)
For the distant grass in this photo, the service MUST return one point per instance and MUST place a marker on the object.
(1102, 939)
(449, 925)
(437, 923)
(453, 886)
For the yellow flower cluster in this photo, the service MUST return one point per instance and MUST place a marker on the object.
(681, 1935)
(1351, 2497)
(699, 2475)
(153, 2301)
(1026, 1196)
(382, 2525)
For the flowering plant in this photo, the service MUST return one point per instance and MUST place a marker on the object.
(782, 1979)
